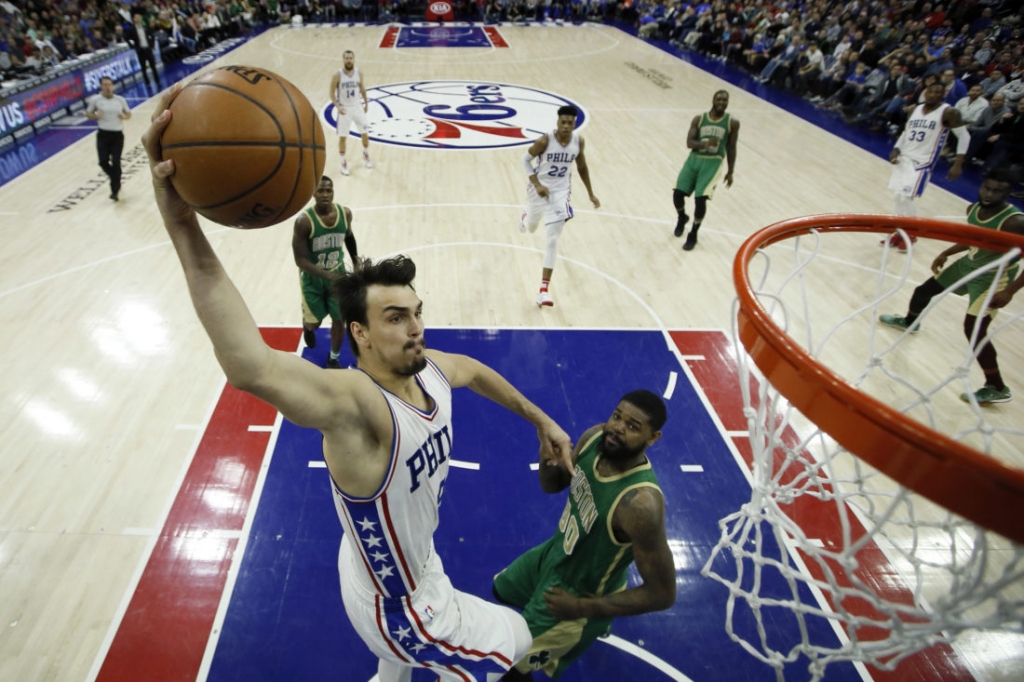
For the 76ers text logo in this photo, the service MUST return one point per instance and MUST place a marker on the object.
(459, 114)
(429, 457)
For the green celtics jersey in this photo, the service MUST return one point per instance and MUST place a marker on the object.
(326, 241)
(587, 557)
(982, 256)
(713, 130)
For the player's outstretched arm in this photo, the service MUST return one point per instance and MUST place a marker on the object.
(464, 371)
(304, 393)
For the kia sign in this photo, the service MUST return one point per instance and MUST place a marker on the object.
(439, 10)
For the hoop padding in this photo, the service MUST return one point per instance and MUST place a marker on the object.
(963, 480)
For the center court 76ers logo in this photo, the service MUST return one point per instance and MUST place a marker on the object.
(459, 114)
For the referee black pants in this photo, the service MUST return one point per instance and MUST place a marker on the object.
(109, 144)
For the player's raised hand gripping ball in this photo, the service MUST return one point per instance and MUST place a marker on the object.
(248, 148)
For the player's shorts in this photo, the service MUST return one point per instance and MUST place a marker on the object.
(318, 299)
(435, 627)
(555, 208)
(354, 115)
(556, 643)
(978, 287)
(700, 175)
(908, 177)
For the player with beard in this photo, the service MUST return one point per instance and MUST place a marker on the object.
(572, 586)
(994, 212)
(387, 438)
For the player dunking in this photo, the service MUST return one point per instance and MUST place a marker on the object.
(387, 442)
(349, 96)
(548, 193)
(711, 139)
(918, 148)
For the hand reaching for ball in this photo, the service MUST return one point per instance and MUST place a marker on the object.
(172, 207)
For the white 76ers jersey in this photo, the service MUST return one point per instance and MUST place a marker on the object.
(392, 531)
(554, 167)
(925, 136)
(348, 87)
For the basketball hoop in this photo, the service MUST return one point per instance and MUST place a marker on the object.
(843, 479)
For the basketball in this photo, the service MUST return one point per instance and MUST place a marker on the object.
(248, 148)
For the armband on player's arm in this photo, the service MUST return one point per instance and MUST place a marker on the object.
(350, 246)
(963, 139)
(527, 161)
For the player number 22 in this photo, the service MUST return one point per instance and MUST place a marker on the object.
(558, 171)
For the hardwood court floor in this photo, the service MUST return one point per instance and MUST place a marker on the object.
(108, 376)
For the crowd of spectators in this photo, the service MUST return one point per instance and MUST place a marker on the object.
(36, 35)
(867, 61)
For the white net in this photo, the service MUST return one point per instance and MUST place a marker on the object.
(867, 570)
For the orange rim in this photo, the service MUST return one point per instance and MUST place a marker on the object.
(960, 478)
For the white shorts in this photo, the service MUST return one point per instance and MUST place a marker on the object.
(435, 627)
(354, 115)
(553, 209)
(909, 178)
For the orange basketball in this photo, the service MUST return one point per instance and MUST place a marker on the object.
(248, 148)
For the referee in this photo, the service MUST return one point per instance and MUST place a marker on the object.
(109, 110)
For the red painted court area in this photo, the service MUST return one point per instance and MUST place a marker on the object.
(163, 634)
(718, 377)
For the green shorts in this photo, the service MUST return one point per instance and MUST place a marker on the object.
(700, 175)
(556, 643)
(318, 299)
(976, 289)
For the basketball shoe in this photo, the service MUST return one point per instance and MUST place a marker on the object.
(522, 223)
(897, 242)
(332, 363)
(544, 299)
(681, 226)
(344, 167)
(366, 160)
(989, 394)
(897, 322)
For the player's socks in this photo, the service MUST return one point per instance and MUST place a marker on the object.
(681, 225)
(366, 159)
(691, 239)
(544, 297)
(344, 165)
(995, 380)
